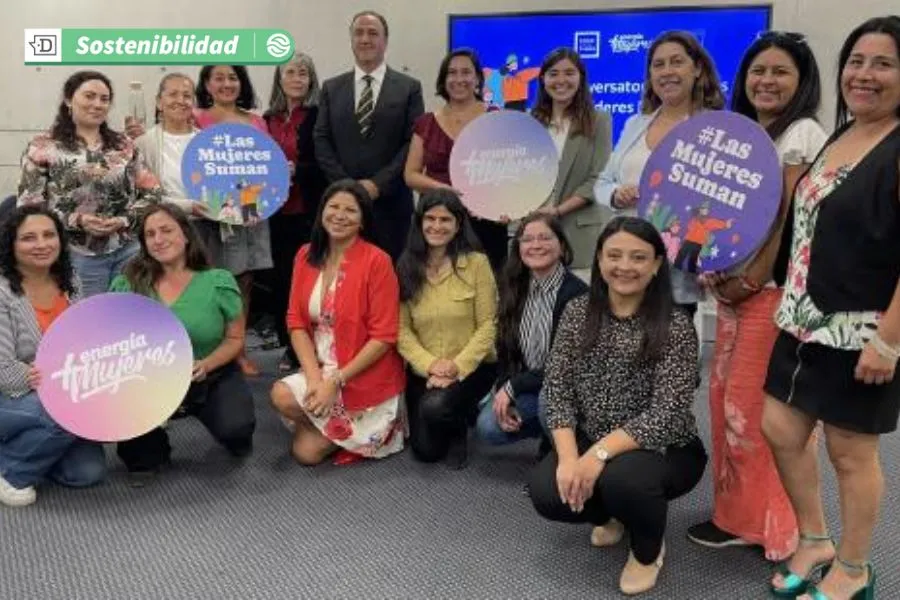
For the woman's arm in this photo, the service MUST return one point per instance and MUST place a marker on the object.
(674, 380)
(485, 335)
(228, 349)
(13, 372)
(382, 320)
(409, 346)
(558, 394)
(760, 270)
(414, 171)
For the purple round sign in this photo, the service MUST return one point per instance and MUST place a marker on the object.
(712, 188)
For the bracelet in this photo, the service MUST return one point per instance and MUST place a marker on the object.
(749, 284)
(884, 349)
(338, 378)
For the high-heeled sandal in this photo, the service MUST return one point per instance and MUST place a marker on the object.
(866, 592)
(795, 585)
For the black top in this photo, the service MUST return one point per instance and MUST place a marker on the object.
(854, 263)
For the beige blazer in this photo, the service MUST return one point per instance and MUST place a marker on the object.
(581, 162)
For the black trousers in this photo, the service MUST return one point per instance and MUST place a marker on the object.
(438, 417)
(223, 402)
(494, 238)
(634, 488)
(288, 233)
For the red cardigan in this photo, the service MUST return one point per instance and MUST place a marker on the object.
(367, 307)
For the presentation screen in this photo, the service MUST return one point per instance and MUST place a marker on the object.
(613, 45)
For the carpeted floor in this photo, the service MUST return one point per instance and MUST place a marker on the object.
(213, 527)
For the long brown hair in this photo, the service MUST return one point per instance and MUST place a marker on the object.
(515, 280)
(143, 271)
(63, 128)
(580, 110)
(707, 92)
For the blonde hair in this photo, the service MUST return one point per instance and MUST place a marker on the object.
(162, 86)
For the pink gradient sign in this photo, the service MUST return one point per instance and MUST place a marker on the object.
(114, 367)
(505, 164)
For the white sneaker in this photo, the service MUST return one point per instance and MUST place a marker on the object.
(12, 496)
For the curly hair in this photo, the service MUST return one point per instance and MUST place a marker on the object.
(61, 271)
(63, 128)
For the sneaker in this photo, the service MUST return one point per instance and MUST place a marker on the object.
(13, 496)
(707, 534)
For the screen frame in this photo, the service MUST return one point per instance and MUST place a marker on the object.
(451, 17)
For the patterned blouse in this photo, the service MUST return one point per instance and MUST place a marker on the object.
(109, 183)
(609, 387)
(797, 314)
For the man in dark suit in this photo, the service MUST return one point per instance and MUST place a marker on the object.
(364, 127)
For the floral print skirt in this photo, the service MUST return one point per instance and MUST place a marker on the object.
(750, 501)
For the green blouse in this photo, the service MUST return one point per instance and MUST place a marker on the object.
(205, 307)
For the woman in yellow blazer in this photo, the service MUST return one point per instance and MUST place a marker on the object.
(448, 317)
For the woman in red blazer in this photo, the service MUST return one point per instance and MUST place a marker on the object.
(343, 317)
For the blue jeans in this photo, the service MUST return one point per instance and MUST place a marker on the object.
(97, 272)
(33, 448)
(528, 407)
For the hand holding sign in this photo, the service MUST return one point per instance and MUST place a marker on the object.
(238, 171)
(712, 188)
(505, 164)
(113, 367)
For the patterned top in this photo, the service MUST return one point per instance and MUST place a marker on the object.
(797, 314)
(109, 183)
(609, 387)
(536, 326)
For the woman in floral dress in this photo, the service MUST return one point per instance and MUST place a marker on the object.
(836, 355)
(343, 318)
(92, 177)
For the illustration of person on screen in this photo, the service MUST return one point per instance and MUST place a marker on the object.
(699, 229)
(514, 82)
(249, 196)
(228, 213)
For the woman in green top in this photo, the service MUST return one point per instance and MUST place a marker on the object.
(172, 268)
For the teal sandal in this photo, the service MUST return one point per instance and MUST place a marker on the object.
(795, 585)
(865, 593)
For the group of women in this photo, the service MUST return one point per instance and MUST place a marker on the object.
(464, 331)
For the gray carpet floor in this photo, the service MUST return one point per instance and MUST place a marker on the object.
(265, 528)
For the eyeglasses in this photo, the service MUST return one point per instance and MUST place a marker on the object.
(789, 36)
(541, 237)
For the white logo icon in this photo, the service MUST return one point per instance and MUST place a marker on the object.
(278, 45)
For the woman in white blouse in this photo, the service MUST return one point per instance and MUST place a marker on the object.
(163, 146)
(778, 86)
(681, 80)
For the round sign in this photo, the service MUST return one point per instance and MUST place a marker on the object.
(238, 171)
(712, 187)
(505, 164)
(114, 367)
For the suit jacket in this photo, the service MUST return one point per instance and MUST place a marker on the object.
(344, 153)
(581, 162)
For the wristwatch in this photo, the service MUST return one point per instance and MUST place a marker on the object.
(602, 454)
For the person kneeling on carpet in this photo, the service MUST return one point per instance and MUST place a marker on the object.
(343, 316)
(618, 391)
(37, 284)
(173, 269)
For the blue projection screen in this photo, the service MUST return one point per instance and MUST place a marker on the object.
(613, 45)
